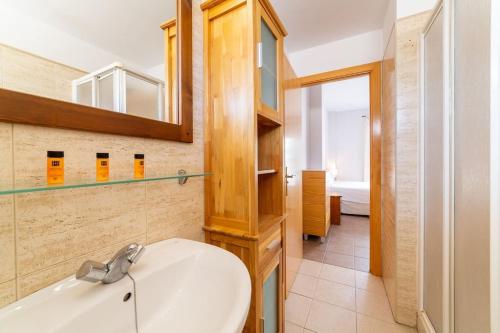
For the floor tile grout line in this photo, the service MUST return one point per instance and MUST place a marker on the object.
(308, 313)
(356, 312)
(341, 283)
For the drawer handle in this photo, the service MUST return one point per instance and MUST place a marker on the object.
(274, 244)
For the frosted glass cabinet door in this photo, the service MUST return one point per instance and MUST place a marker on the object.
(269, 69)
(270, 299)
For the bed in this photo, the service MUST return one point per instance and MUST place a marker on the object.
(355, 196)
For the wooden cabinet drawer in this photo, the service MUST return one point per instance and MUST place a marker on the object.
(269, 247)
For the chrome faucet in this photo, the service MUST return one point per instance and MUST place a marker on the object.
(115, 269)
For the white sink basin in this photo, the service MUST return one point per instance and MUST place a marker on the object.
(180, 286)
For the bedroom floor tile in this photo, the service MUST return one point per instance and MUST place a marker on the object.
(341, 248)
(347, 245)
(314, 254)
(339, 260)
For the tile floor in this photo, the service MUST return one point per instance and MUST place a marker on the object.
(347, 245)
(333, 293)
(331, 299)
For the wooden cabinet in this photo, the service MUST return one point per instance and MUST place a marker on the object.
(315, 204)
(245, 195)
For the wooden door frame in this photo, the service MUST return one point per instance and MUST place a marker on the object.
(373, 71)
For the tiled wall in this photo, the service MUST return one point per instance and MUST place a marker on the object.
(44, 237)
(400, 166)
(408, 104)
(24, 72)
(389, 169)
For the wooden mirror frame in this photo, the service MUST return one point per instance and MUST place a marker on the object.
(21, 108)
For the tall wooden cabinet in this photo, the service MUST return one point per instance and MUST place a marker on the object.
(245, 196)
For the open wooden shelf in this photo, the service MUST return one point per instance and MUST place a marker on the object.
(264, 119)
(266, 172)
(267, 221)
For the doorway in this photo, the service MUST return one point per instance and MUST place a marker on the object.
(329, 295)
(369, 259)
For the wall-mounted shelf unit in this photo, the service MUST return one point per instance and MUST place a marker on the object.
(25, 188)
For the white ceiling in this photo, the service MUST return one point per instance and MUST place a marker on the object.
(347, 95)
(127, 28)
(314, 22)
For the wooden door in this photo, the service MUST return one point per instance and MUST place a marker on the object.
(295, 163)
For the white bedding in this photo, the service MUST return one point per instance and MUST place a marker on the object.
(355, 196)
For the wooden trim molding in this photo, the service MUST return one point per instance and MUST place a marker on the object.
(185, 69)
(336, 75)
(168, 24)
(29, 109)
(170, 55)
(374, 72)
(274, 16)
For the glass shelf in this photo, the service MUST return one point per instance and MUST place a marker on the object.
(5, 190)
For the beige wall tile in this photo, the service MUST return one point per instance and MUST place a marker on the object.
(408, 102)
(7, 268)
(400, 169)
(35, 75)
(7, 249)
(53, 227)
(30, 283)
(389, 169)
(175, 213)
(7, 292)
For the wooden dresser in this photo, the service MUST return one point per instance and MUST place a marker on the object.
(315, 204)
(244, 100)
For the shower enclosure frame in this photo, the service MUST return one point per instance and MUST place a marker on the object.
(119, 74)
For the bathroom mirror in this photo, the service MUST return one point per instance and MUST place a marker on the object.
(115, 66)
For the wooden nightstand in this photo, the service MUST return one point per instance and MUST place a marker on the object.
(335, 208)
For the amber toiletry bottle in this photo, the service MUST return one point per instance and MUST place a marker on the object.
(102, 167)
(55, 167)
(139, 166)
